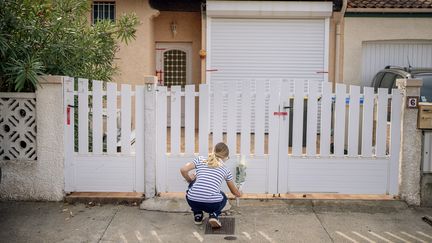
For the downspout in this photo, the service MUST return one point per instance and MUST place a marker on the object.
(339, 51)
(203, 54)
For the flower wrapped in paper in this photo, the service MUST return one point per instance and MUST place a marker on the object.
(240, 175)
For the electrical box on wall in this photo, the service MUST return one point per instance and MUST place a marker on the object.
(424, 120)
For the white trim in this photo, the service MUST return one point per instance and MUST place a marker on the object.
(186, 47)
(267, 9)
(326, 48)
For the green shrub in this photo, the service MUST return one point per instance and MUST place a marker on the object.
(55, 37)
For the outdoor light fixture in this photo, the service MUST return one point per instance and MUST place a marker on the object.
(173, 28)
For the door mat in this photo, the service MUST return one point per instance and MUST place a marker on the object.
(228, 227)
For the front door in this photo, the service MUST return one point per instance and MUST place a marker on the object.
(173, 63)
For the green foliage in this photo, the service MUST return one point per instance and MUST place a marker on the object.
(55, 37)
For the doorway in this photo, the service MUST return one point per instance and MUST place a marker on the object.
(173, 63)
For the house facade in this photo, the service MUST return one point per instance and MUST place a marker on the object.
(185, 42)
(192, 42)
(381, 33)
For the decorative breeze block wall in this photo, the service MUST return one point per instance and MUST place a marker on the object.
(18, 126)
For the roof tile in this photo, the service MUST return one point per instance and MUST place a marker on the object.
(389, 3)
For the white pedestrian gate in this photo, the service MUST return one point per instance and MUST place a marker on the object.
(100, 151)
(351, 147)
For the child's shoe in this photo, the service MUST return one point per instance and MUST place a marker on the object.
(198, 218)
(214, 222)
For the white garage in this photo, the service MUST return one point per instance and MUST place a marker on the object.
(264, 41)
(267, 40)
(378, 54)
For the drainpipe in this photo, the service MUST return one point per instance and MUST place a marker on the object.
(339, 51)
(203, 51)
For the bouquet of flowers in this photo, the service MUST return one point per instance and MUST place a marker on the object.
(240, 176)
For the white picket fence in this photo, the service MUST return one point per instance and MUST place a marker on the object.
(100, 155)
(347, 149)
(341, 142)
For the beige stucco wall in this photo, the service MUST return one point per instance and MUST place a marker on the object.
(357, 30)
(332, 47)
(136, 59)
(188, 31)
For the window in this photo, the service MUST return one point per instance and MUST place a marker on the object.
(387, 81)
(377, 79)
(426, 89)
(175, 68)
(103, 10)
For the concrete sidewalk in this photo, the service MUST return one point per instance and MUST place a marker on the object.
(256, 221)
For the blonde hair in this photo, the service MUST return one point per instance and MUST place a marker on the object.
(220, 152)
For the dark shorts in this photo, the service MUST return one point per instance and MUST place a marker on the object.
(214, 209)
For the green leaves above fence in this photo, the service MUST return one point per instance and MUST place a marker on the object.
(56, 37)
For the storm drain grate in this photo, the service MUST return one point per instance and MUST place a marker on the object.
(228, 227)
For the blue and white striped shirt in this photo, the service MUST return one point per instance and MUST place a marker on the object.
(208, 182)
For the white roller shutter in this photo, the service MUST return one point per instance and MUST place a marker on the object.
(266, 49)
(378, 54)
(261, 50)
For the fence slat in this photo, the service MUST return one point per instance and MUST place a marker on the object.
(312, 118)
(190, 119)
(339, 127)
(326, 112)
(275, 88)
(368, 108)
(139, 138)
(175, 119)
(353, 123)
(70, 134)
(395, 138)
(246, 119)
(231, 121)
(161, 122)
(217, 114)
(297, 140)
(125, 118)
(381, 128)
(83, 111)
(259, 117)
(284, 133)
(203, 119)
(111, 118)
(97, 117)
(70, 102)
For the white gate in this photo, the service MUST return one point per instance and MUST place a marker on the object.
(350, 146)
(356, 149)
(102, 153)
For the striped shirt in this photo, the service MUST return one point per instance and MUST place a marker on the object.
(208, 182)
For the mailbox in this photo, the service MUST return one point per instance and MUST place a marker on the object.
(424, 120)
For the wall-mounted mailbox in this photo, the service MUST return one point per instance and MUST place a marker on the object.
(424, 120)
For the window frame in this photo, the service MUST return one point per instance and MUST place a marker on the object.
(101, 9)
(377, 80)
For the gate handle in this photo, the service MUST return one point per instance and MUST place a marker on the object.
(287, 107)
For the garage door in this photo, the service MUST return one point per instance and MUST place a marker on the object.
(378, 54)
(245, 42)
(266, 49)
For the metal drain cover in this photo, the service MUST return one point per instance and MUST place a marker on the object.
(230, 238)
(228, 227)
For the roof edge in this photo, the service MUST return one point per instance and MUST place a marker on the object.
(389, 10)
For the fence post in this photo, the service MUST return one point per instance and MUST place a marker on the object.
(150, 136)
(411, 144)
